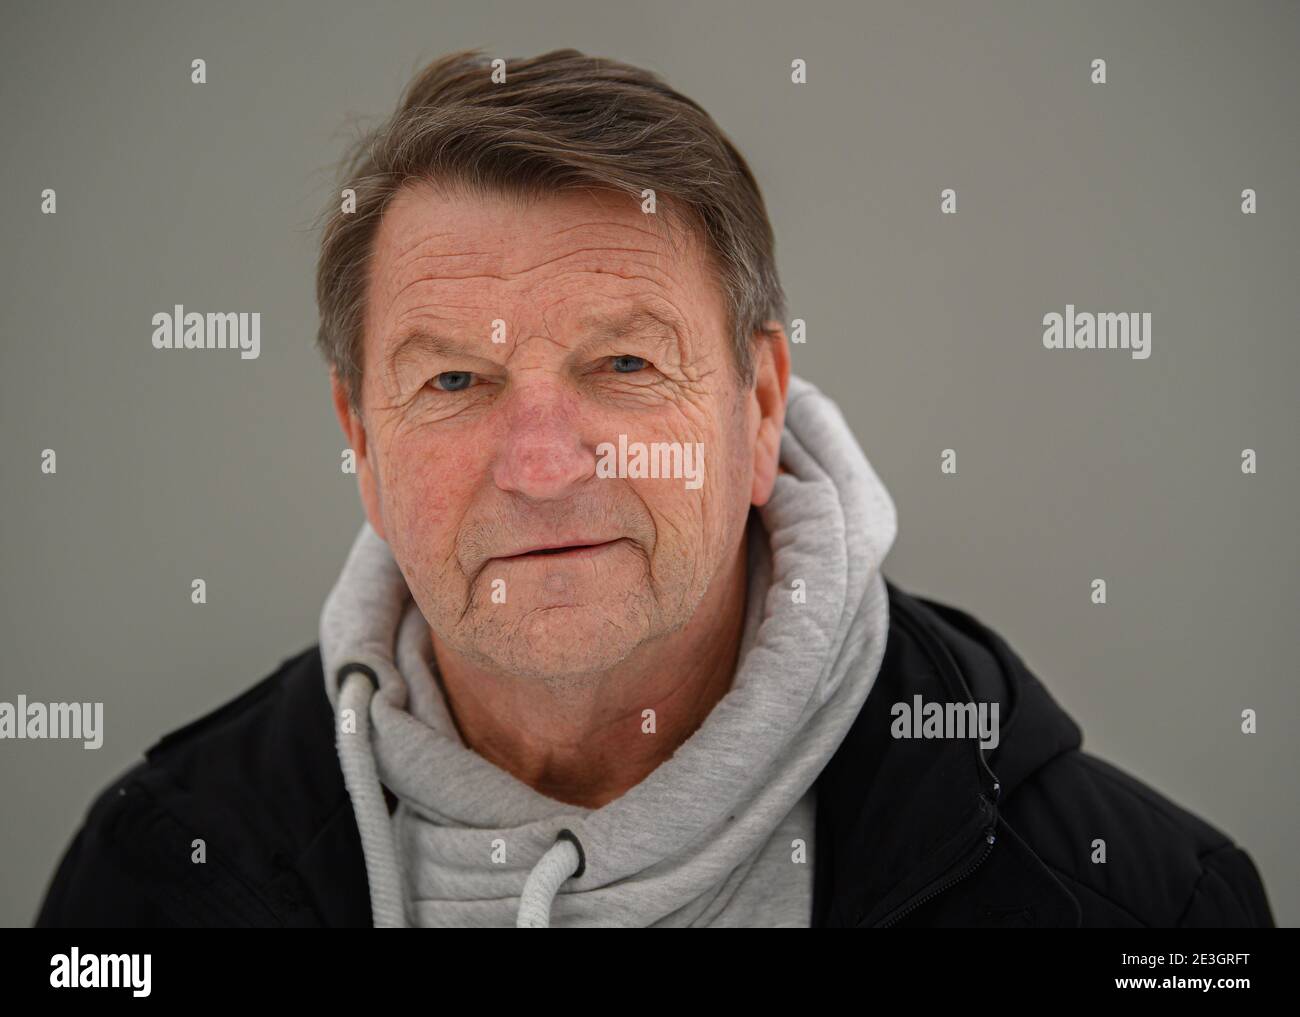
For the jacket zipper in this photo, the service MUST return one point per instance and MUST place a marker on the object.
(945, 663)
(944, 886)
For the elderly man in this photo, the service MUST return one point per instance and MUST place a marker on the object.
(613, 646)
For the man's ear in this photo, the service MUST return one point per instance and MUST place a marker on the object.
(771, 380)
(354, 431)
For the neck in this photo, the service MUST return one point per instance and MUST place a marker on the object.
(587, 744)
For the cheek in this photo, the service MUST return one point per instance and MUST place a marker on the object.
(725, 499)
(427, 488)
(704, 518)
(677, 514)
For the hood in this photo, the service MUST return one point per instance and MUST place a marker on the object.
(467, 840)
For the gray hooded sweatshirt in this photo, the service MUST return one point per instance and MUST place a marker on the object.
(721, 833)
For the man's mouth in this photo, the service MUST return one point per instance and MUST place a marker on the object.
(575, 550)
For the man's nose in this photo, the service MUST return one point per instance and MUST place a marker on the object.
(543, 456)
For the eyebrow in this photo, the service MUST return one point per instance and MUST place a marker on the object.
(602, 328)
(639, 319)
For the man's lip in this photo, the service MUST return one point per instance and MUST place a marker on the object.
(568, 549)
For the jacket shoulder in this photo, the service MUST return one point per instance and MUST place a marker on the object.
(99, 881)
(1131, 855)
(203, 829)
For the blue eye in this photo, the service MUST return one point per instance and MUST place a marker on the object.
(639, 362)
(455, 381)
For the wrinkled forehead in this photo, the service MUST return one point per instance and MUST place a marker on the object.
(457, 253)
(452, 230)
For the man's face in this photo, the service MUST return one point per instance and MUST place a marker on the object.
(476, 452)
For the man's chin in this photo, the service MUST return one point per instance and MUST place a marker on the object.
(560, 642)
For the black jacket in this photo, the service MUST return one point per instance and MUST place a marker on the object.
(910, 832)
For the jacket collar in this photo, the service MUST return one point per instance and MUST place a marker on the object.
(900, 821)
(327, 866)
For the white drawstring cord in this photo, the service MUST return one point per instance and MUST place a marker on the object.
(362, 781)
(563, 859)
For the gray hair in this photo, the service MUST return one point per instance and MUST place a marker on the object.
(561, 121)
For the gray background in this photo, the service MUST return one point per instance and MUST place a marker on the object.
(926, 328)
